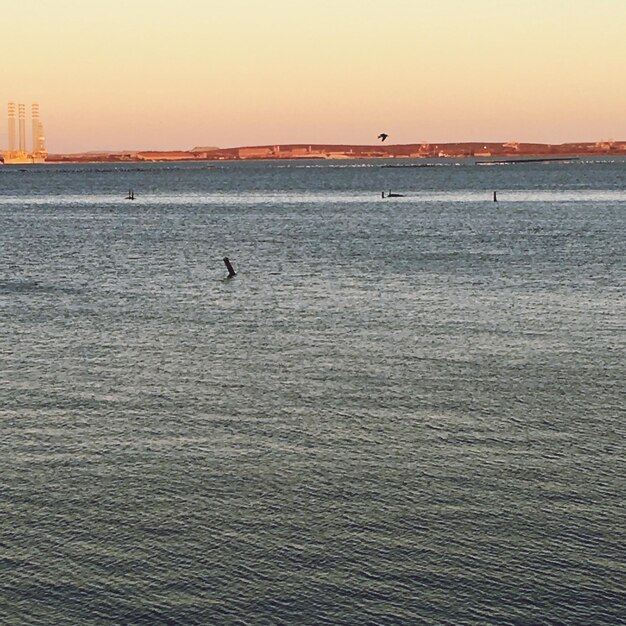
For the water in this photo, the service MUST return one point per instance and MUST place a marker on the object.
(401, 411)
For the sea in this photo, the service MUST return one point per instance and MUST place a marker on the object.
(405, 410)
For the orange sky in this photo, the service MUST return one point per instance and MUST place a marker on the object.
(157, 74)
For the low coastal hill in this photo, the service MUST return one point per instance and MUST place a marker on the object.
(344, 151)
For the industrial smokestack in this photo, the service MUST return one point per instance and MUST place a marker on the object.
(35, 127)
(21, 113)
(11, 127)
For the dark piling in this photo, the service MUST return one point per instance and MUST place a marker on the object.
(229, 267)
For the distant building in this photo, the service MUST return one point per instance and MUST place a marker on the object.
(259, 152)
(174, 155)
(511, 145)
(17, 152)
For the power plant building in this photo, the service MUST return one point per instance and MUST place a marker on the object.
(17, 151)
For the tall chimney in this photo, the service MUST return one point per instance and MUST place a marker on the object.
(11, 126)
(21, 113)
(35, 127)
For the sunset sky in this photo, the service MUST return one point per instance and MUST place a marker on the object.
(159, 74)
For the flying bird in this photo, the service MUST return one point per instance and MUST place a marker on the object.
(383, 136)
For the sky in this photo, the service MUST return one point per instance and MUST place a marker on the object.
(168, 75)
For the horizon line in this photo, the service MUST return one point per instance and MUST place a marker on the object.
(381, 146)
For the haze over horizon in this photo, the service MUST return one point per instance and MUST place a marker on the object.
(152, 75)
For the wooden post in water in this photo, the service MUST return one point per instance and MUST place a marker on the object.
(229, 267)
(495, 196)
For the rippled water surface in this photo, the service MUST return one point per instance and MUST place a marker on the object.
(400, 411)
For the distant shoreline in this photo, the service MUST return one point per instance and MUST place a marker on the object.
(478, 150)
